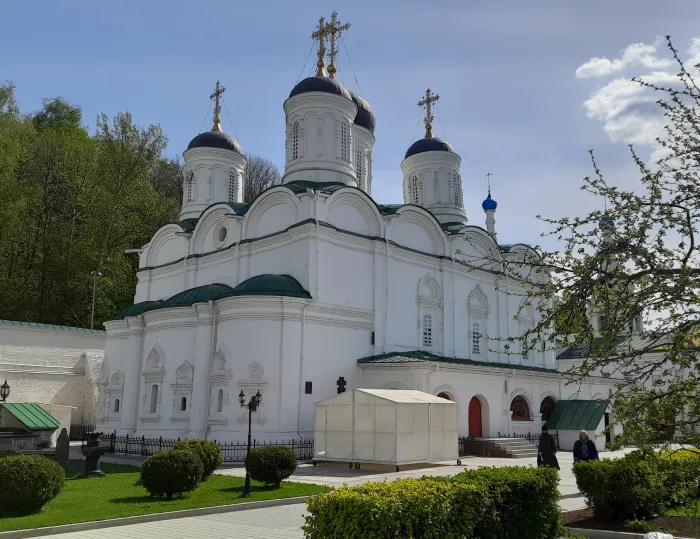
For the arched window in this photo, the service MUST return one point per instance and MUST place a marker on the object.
(189, 185)
(414, 190)
(427, 330)
(220, 400)
(344, 141)
(444, 395)
(295, 140)
(476, 338)
(456, 195)
(183, 404)
(154, 399)
(519, 409)
(547, 407)
(116, 406)
(232, 186)
(358, 167)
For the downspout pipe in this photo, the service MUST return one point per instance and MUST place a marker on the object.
(314, 196)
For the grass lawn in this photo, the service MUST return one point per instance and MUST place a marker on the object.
(114, 496)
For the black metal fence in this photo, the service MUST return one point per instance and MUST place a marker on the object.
(78, 432)
(530, 437)
(231, 451)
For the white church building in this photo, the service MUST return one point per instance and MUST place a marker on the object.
(314, 286)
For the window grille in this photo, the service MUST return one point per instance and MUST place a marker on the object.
(232, 186)
(295, 141)
(344, 141)
(358, 167)
(476, 338)
(414, 190)
(427, 330)
(190, 185)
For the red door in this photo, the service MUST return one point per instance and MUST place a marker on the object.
(475, 418)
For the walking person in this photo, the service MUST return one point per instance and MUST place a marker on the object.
(547, 450)
(584, 448)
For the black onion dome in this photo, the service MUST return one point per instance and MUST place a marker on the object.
(429, 145)
(320, 84)
(215, 139)
(365, 115)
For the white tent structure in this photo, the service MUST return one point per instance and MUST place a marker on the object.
(386, 426)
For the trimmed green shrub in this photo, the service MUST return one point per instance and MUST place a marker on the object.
(640, 526)
(28, 482)
(640, 485)
(209, 453)
(405, 508)
(171, 473)
(524, 502)
(6, 453)
(272, 464)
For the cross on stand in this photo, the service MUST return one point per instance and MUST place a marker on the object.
(217, 106)
(341, 385)
(428, 101)
(335, 29)
(488, 179)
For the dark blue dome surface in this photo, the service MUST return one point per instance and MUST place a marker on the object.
(215, 139)
(429, 145)
(365, 115)
(320, 84)
(489, 203)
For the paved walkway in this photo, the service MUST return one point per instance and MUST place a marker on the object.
(285, 522)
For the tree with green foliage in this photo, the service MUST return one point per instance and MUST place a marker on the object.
(637, 257)
(71, 203)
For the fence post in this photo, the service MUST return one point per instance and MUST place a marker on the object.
(126, 445)
(160, 443)
(143, 444)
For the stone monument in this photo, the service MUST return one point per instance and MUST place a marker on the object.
(93, 450)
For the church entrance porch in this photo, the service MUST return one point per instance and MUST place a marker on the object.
(475, 425)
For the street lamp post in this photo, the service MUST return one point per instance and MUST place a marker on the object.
(252, 405)
(95, 274)
(4, 391)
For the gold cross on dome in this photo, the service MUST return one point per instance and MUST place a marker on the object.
(428, 101)
(335, 29)
(321, 34)
(217, 106)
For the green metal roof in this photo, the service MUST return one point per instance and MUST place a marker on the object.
(577, 415)
(137, 309)
(418, 356)
(271, 285)
(199, 294)
(49, 326)
(32, 416)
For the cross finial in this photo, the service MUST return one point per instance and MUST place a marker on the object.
(217, 106)
(321, 34)
(335, 29)
(428, 101)
(488, 179)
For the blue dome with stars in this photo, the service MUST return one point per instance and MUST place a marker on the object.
(489, 203)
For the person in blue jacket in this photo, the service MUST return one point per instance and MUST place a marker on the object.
(584, 448)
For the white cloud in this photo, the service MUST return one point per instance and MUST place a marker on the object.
(628, 111)
(635, 54)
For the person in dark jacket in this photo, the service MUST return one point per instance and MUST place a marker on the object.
(584, 448)
(547, 450)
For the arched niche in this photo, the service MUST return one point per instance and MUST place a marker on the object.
(349, 209)
(166, 246)
(274, 211)
(416, 229)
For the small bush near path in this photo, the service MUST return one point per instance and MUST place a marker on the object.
(524, 501)
(272, 464)
(415, 508)
(209, 453)
(28, 482)
(116, 496)
(172, 473)
(641, 485)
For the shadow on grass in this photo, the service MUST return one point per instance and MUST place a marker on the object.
(239, 490)
(75, 469)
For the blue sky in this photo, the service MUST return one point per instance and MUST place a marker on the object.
(526, 87)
